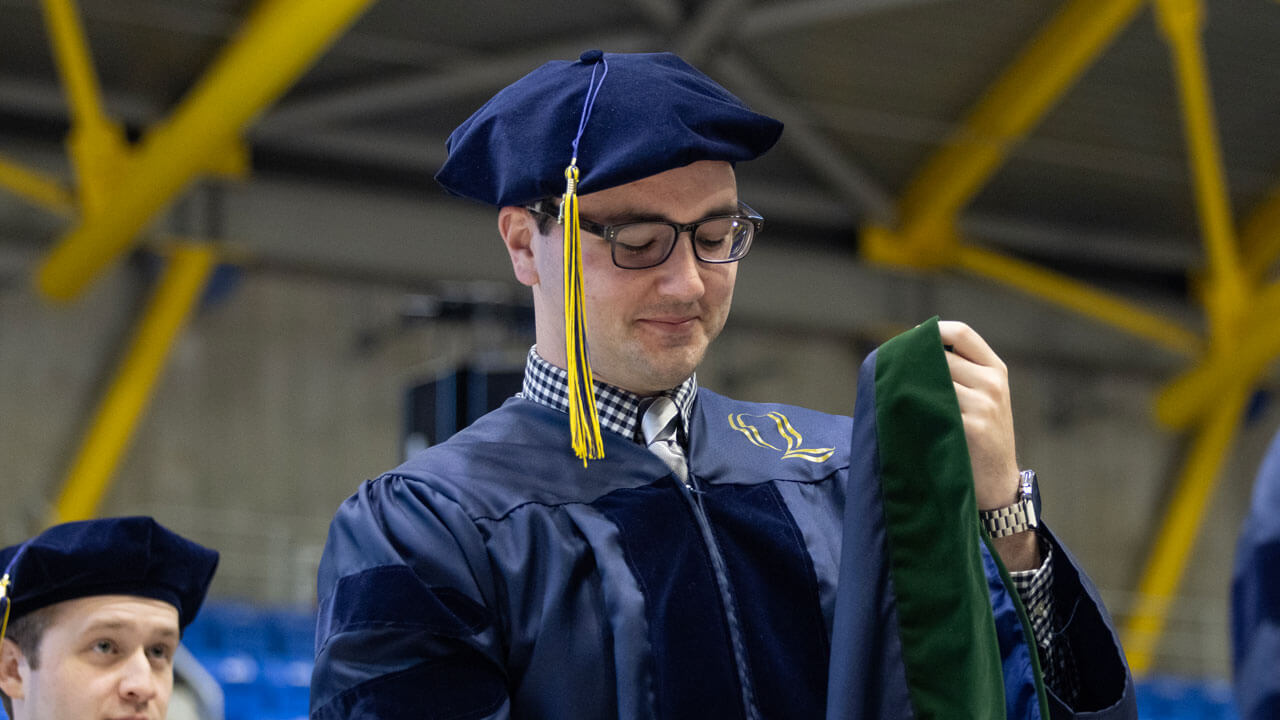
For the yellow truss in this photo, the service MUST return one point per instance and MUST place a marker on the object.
(1241, 343)
(116, 419)
(118, 189)
(278, 42)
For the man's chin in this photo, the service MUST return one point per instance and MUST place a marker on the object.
(672, 373)
(648, 380)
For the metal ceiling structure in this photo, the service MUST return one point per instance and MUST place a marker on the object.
(1097, 154)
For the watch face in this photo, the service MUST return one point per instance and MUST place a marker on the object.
(1027, 483)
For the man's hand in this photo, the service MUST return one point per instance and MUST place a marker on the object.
(981, 381)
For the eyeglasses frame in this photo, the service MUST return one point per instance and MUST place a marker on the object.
(609, 232)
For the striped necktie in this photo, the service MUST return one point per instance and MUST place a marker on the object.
(659, 425)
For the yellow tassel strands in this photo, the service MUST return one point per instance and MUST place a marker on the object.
(8, 603)
(584, 422)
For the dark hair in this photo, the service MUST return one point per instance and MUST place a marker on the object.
(26, 632)
(550, 206)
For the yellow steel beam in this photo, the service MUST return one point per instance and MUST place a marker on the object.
(100, 155)
(75, 63)
(1053, 60)
(933, 249)
(277, 43)
(1260, 238)
(1215, 393)
(1074, 295)
(97, 145)
(1181, 22)
(1171, 550)
(233, 162)
(1193, 394)
(122, 408)
(36, 187)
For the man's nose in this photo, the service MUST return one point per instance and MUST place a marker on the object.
(138, 681)
(682, 272)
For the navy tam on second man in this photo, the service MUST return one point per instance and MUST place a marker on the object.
(617, 542)
(93, 614)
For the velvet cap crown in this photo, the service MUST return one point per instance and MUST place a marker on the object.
(110, 556)
(654, 113)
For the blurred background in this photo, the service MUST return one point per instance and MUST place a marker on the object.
(230, 290)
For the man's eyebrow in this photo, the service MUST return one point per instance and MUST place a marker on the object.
(631, 216)
(101, 625)
(116, 625)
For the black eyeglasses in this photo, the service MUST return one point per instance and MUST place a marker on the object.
(640, 245)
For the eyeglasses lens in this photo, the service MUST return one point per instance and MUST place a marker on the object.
(643, 245)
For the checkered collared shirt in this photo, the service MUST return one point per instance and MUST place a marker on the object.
(1035, 588)
(620, 412)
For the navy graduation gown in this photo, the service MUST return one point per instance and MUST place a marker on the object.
(1255, 598)
(493, 576)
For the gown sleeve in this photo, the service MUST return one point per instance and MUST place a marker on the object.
(1084, 633)
(406, 625)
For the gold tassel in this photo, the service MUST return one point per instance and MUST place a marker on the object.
(8, 603)
(584, 422)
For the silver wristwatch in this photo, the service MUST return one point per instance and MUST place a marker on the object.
(1022, 515)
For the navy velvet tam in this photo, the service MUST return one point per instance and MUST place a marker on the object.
(653, 113)
(110, 556)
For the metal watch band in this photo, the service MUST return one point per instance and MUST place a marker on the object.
(1015, 518)
(1006, 521)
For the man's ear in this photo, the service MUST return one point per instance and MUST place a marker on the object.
(519, 230)
(13, 668)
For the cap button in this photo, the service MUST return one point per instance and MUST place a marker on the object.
(591, 57)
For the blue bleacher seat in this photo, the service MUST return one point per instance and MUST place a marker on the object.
(1168, 697)
(262, 658)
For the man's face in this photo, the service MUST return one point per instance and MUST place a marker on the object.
(647, 329)
(105, 657)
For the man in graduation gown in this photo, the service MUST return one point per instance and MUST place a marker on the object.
(92, 612)
(692, 556)
(1255, 598)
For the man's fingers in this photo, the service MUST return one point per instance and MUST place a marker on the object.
(980, 411)
(963, 371)
(978, 377)
(967, 343)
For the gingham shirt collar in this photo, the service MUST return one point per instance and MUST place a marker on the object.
(619, 409)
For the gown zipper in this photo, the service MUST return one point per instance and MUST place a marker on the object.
(693, 496)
